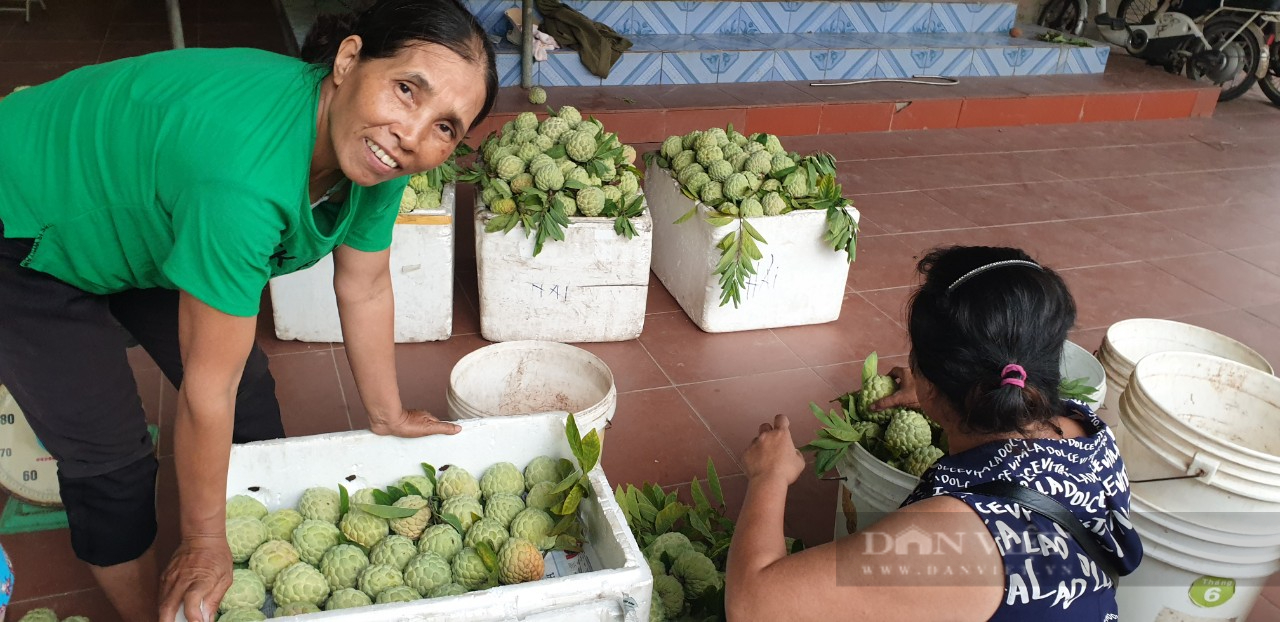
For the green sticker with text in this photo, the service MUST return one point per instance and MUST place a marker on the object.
(1212, 591)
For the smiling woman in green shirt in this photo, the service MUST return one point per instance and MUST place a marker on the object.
(160, 193)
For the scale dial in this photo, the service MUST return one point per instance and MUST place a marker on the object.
(27, 471)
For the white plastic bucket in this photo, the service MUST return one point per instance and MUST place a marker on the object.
(1078, 362)
(1127, 341)
(874, 489)
(1209, 541)
(523, 377)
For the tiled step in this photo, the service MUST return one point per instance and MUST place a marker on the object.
(1128, 91)
(643, 17)
(721, 59)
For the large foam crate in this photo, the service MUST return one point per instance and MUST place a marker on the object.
(305, 308)
(800, 279)
(619, 588)
(592, 286)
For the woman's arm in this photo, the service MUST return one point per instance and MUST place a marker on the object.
(934, 560)
(214, 348)
(366, 306)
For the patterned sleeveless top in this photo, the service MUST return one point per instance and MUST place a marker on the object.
(1048, 576)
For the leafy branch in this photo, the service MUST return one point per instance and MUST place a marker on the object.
(738, 254)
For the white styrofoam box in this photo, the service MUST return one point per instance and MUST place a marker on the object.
(591, 286)
(306, 309)
(800, 279)
(276, 472)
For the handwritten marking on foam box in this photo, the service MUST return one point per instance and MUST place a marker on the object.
(553, 291)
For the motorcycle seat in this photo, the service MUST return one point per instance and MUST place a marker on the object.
(1253, 5)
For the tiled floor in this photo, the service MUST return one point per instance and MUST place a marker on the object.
(1163, 219)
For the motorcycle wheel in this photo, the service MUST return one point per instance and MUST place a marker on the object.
(1240, 59)
(1270, 83)
(1137, 12)
(1064, 16)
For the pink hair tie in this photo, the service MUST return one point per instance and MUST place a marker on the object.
(1020, 380)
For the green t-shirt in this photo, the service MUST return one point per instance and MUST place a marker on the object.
(185, 169)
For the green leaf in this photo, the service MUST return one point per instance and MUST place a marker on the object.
(396, 494)
(487, 556)
(571, 500)
(430, 472)
(386, 511)
(713, 481)
(749, 247)
(699, 498)
(344, 500)
(567, 543)
(827, 443)
(574, 184)
(567, 482)
(574, 437)
(498, 223)
(668, 517)
(556, 152)
(591, 448)
(410, 489)
(719, 221)
(566, 521)
(382, 498)
(751, 231)
(453, 521)
(870, 368)
(700, 524)
(848, 435)
(688, 215)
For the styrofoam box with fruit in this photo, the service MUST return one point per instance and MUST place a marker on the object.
(563, 236)
(608, 580)
(747, 235)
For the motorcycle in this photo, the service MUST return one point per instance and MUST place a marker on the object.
(1270, 83)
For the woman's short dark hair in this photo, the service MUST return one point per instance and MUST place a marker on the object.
(388, 26)
(962, 337)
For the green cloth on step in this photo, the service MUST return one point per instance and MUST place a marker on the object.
(599, 45)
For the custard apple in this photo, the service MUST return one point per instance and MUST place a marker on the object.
(683, 160)
(244, 506)
(668, 591)
(720, 170)
(570, 115)
(520, 183)
(528, 151)
(773, 145)
(771, 185)
(237, 615)
(244, 536)
(590, 126)
(591, 201)
(687, 173)
(708, 155)
(321, 504)
(363, 528)
(455, 481)
(869, 429)
(578, 174)
(697, 181)
(408, 200)
(920, 459)
(420, 482)
(411, 527)
(672, 146)
(750, 207)
(246, 592)
(398, 594)
(610, 171)
(697, 572)
(503, 507)
(796, 184)
(295, 609)
(443, 540)
(629, 154)
(540, 161)
(300, 583)
(448, 589)
(739, 161)
(537, 95)
(376, 578)
(271, 558)
(526, 121)
(549, 178)
(773, 204)
(628, 183)
(469, 570)
(281, 523)
(737, 187)
(672, 545)
(581, 146)
(657, 611)
(75, 619)
(542, 469)
(503, 206)
(487, 530)
(907, 431)
(612, 193)
(362, 496)
(541, 497)
(759, 163)
(525, 137)
(427, 572)
(464, 508)
(395, 550)
(347, 598)
(533, 525)
(553, 127)
(342, 565)
(40, 615)
(691, 139)
(420, 182)
(312, 538)
(729, 208)
(519, 561)
(730, 150)
(510, 166)
(567, 204)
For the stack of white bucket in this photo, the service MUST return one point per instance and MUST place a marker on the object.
(1210, 540)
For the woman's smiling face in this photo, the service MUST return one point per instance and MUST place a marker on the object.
(397, 116)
